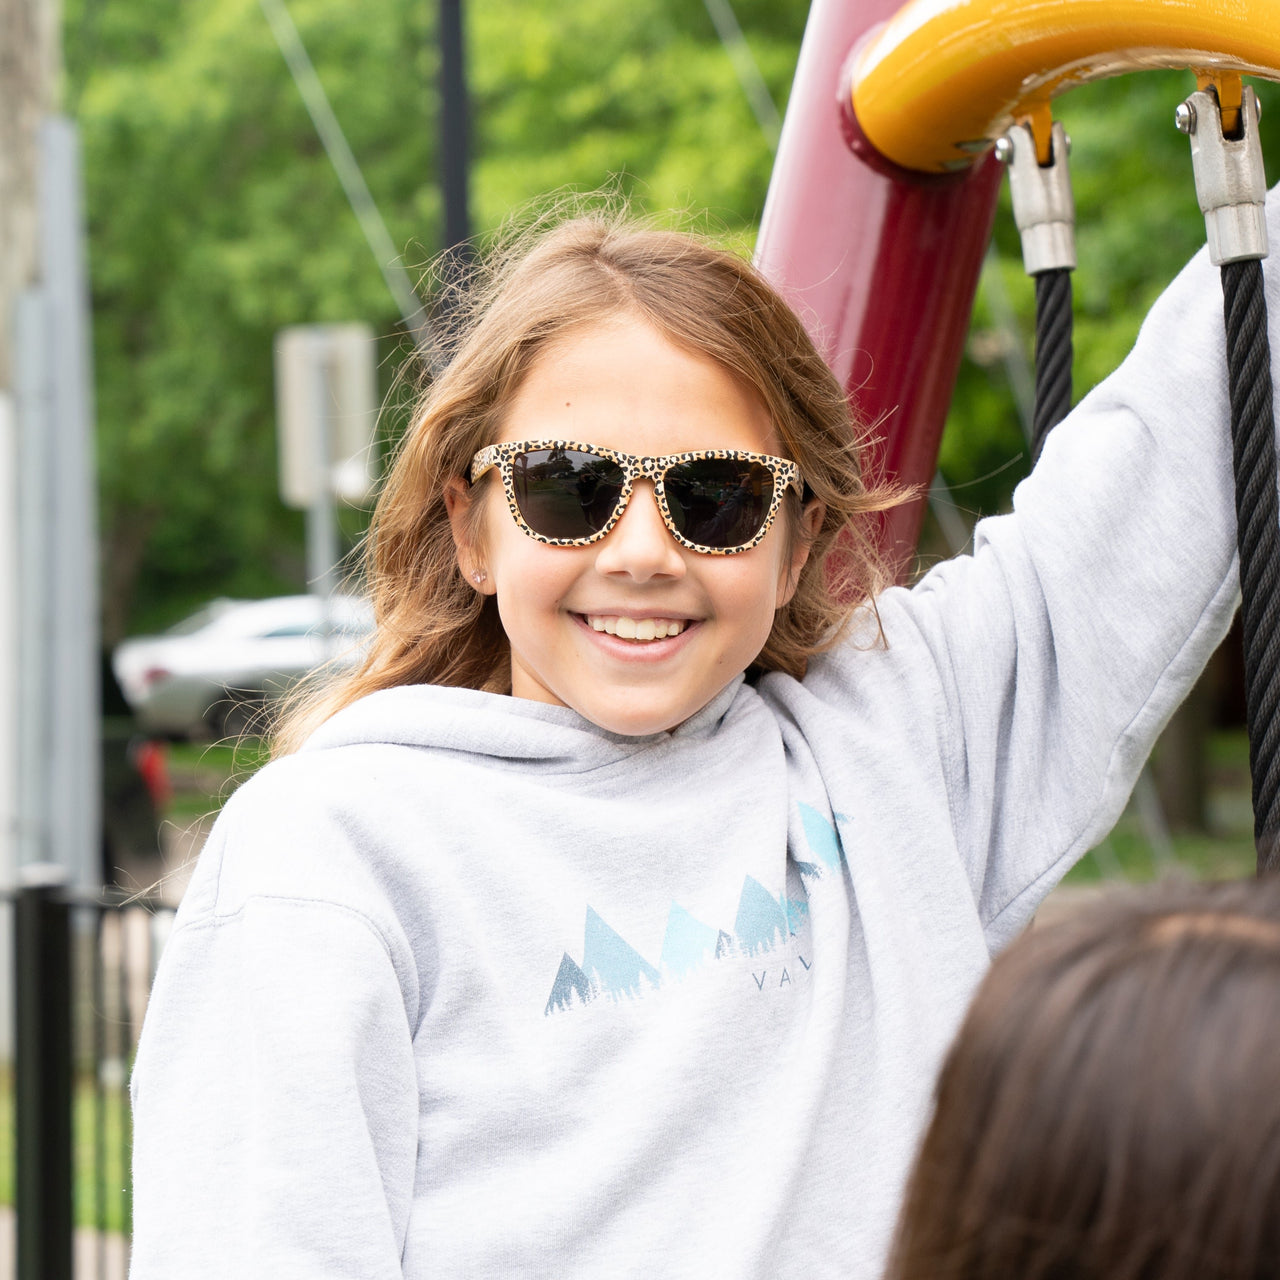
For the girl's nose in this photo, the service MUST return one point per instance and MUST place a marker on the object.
(640, 545)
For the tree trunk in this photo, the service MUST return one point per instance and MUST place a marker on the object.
(122, 550)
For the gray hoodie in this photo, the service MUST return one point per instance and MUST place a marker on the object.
(472, 987)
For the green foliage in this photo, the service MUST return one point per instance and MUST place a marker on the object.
(571, 94)
(215, 219)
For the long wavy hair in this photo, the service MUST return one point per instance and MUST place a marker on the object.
(432, 627)
(1109, 1110)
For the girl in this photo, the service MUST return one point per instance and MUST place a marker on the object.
(614, 916)
(1109, 1108)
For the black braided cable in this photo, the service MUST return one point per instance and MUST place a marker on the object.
(1258, 537)
(1053, 354)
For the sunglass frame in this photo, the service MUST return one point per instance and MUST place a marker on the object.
(786, 474)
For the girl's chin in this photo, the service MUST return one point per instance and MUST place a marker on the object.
(635, 715)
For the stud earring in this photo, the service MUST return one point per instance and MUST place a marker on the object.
(478, 577)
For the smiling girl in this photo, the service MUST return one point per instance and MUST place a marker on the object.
(614, 916)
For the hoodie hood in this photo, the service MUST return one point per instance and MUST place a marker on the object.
(503, 727)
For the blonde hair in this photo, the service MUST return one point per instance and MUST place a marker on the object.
(432, 627)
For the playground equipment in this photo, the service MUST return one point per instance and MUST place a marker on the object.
(896, 133)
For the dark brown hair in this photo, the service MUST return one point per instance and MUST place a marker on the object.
(432, 626)
(1111, 1107)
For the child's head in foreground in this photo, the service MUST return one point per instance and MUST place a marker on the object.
(529, 570)
(1111, 1107)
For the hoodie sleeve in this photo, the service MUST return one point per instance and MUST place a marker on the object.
(275, 1101)
(1042, 667)
(1080, 622)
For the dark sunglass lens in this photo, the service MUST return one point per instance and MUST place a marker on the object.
(566, 493)
(719, 502)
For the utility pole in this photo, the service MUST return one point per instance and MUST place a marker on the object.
(50, 726)
(29, 54)
(50, 719)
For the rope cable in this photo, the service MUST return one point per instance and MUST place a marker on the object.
(1254, 462)
(1053, 354)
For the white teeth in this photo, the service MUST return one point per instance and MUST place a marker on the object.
(640, 629)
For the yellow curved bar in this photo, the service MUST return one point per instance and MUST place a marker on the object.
(940, 81)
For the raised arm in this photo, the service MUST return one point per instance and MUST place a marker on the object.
(1056, 652)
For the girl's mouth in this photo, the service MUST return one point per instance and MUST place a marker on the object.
(639, 630)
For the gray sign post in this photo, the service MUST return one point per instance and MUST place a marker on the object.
(326, 408)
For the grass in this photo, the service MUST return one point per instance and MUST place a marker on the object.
(1225, 853)
(1128, 855)
(204, 774)
(102, 1186)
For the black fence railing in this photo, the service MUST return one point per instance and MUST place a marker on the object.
(82, 973)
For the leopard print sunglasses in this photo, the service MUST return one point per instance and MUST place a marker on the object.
(567, 494)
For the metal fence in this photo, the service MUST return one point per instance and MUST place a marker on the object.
(82, 973)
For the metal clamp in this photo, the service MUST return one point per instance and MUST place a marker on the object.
(1231, 184)
(1043, 206)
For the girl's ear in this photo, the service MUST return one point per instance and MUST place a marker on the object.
(458, 499)
(811, 518)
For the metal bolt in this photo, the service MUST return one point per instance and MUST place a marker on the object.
(1004, 150)
(1184, 118)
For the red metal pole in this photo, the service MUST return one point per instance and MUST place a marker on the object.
(882, 264)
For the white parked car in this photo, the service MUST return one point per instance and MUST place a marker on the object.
(211, 673)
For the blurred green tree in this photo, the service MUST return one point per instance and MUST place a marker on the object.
(215, 219)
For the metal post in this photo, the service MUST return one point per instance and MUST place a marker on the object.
(42, 1076)
(74, 700)
(35, 572)
(453, 125)
(322, 524)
